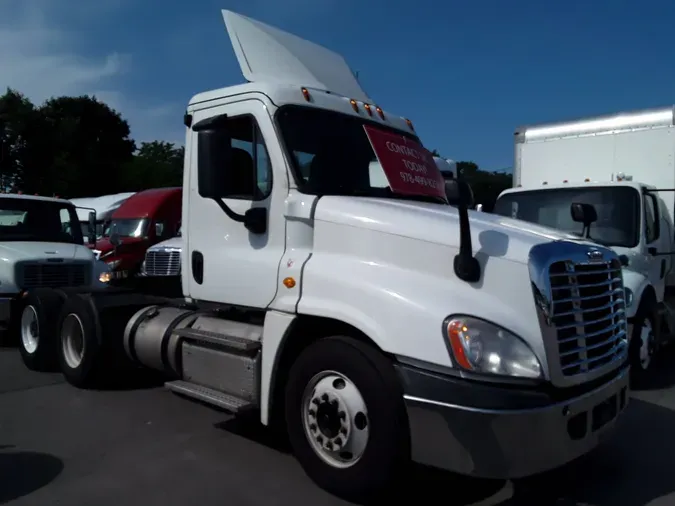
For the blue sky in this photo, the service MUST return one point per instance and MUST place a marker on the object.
(466, 73)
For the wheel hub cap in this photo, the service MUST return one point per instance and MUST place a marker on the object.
(335, 419)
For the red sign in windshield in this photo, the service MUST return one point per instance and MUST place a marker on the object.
(410, 169)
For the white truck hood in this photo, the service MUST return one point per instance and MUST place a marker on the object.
(491, 234)
(14, 251)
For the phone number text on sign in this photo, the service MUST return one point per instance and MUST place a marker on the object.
(424, 181)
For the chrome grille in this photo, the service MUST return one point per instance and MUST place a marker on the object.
(52, 274)
(162, 263)
(580, 301)
(588, 313)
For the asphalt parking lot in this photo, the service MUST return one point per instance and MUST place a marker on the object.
(145, 446)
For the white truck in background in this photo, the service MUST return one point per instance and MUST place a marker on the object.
(41, 246)
(624, 165)
(103, 206)
(357, 315)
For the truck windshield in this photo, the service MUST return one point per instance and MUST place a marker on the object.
(332, 155)
(135, 227)
(24, 219)
(618, 209)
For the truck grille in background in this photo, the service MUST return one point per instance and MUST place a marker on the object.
(162, 263)
(588, 314)
(52, 275)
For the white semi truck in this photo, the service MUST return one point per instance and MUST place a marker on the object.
(624, 165)
(375, 323)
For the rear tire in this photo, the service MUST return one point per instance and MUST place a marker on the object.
(346, 419)
(79, 351)
(36, 324)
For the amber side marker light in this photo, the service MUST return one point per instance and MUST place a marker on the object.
(305, 93)
(379, 111)
(355, 106)
(410, 124)
(369, 109)
(456, 334)
(289, 282)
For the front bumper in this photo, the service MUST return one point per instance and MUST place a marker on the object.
(490, 431)
(7, 303)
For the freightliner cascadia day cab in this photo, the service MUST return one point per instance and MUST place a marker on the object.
(624, 166)
(41, 246)
(331, 288)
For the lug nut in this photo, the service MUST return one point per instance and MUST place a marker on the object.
(342, 415)
(343, 431)
(329, 445)
(334, 403)
(338, 442)
(315, 401)
(312, 413)
(312, 427)
(319, 439)
(324, 397)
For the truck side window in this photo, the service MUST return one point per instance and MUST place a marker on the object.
(651, 219)
(250, 172)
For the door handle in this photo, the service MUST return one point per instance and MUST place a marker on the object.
(663, 268)
(652, 251)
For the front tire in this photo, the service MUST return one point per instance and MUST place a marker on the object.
(37, 330)
(346, 419)
(643, 346)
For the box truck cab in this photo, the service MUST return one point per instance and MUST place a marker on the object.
(623, 165)
(144, 219)
(331, 290)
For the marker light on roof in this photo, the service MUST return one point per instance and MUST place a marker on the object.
(368, 109)
(305, 93)
(587, 180)
(564, 180)
(355, 106)
(410, 125)
(379, 111)
(620, 176)
(545, 182)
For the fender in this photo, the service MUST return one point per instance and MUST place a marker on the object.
(637, 283)
(402, 310)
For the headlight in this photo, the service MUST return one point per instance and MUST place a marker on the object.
(113, 264)
(104, 277)
(482, 347)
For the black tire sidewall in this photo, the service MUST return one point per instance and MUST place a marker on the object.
(388, 449)
(86, 373)
(46, 305)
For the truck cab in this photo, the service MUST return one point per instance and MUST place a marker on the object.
(144, 219)
(42, 246)
(332, 291)
(622, 165)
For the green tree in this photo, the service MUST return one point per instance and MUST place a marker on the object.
(21, 130)
(156, 164)
(88, 143)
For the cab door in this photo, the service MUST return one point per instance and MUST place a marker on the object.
(656, 243)
(224, 261)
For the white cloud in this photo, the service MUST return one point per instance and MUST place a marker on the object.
(42, 60)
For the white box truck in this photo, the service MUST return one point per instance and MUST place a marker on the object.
(623, 165)
(350, 306)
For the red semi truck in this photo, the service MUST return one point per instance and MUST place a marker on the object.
(144, 219)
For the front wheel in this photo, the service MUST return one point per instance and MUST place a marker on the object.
(643, 347)
(346, 419)
(37, 329)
